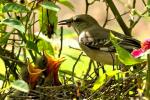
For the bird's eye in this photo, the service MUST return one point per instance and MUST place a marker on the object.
(77, 20)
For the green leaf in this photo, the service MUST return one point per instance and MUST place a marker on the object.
(67, 72)
(14, 23)
(2, 15)
(4, 38)
(20, 85)
(31, 45)
(3, 68)
(46, 46)
(50, 5)
(112, 73)
(3, 1)
(2, 77)
(99, 82)
(1, 6)
(47, 18)
(14, 7)
(67, 4)
(124, 56)
(148, 7)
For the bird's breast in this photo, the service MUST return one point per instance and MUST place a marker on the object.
(98, 55)
(85, 37)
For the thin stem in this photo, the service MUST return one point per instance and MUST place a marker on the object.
(73, 68)
(121, 15)
(132, 17)
(87, 6)
(148, 9)
(147, 92)
(144, 2)
(133, 25)
(106, 20)
(88, 70)
(26, 27)
(61, 41)
(134, 3)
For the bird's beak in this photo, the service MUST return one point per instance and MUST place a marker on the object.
(66, 22)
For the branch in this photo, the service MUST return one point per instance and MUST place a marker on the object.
(147, 92)
(118, 17)
(87, 4)
(61, 41)
(138, 19)
(106, 19)
(132, 17)
(73, 68)
(144, 2)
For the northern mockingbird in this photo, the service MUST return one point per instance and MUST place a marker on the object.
(94, 40)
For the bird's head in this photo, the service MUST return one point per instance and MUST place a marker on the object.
(79, 22)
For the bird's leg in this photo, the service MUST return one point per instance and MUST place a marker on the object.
(102, 66)
(113, 60)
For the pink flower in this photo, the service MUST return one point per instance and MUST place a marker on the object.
(137, 52)
(144, 47)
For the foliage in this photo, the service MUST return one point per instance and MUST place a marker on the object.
(19, 42)
(124, 56)
(21, 46)
(20, 85)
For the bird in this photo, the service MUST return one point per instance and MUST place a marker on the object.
(94, 40)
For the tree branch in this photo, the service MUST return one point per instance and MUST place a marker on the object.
(118, 18)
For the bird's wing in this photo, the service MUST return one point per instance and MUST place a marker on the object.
(103, 43)
(127, 42)
(130, 44)
(96, 41)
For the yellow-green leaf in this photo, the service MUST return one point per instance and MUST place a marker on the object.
(14, 23)
(124, 56)
(67, 4)
(14, 7)
(20, 85)
(99, 82)
(50, 5)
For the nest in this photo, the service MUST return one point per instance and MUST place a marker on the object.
(111, 90)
